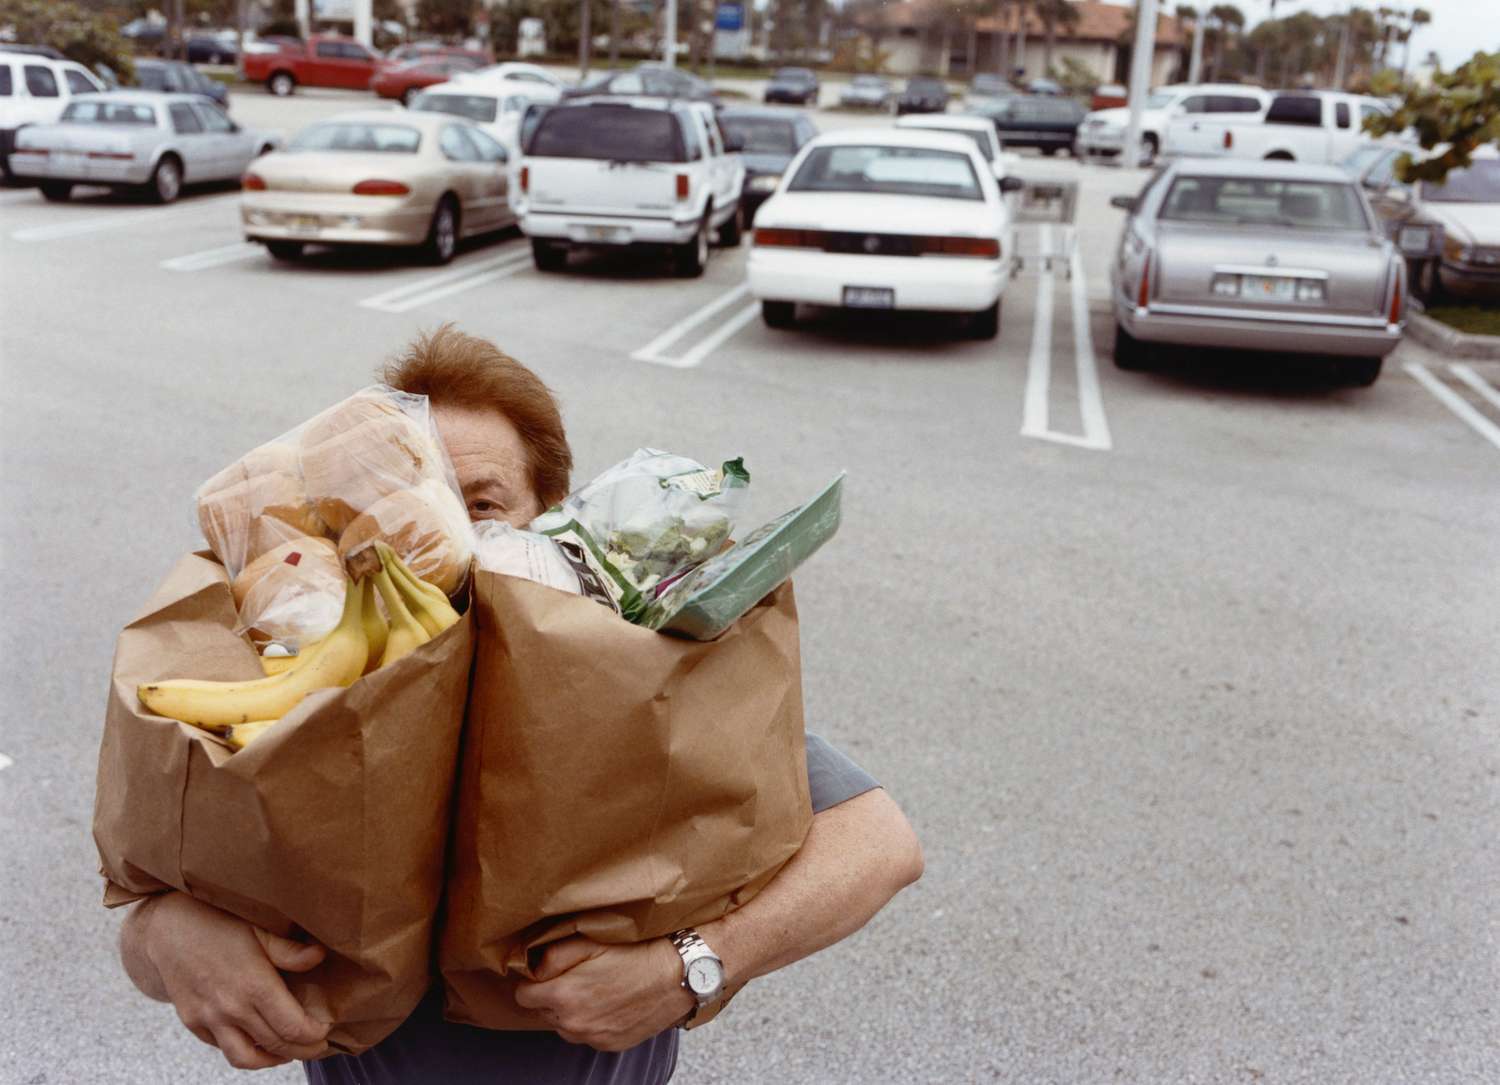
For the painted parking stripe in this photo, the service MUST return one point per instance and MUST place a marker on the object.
(202, 261)
(713, 342)
(100, 223)
(653, 351)
(1455, 403)
(1486, 391)
(430, 288)
(1090, 402)
(26, 195)
(1039, 364)
(5, 762)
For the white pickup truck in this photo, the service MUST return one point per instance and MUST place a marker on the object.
(33, 90)
(609, 172)
(1320, 127)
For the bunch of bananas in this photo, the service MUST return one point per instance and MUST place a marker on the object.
(363, 641)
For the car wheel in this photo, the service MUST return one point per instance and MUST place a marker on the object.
(1429, 283)
(1363, 372)
(548, 256)
(442, 234)
(1049, 151)
(692, 256)
(779, 314)
(1147, 155)
(732, 231)
(985, 324)
(1130, 354)
(166, 180)
(285, 250)
(281, 84)
(56, 191)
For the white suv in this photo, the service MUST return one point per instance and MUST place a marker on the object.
(34, 90)
(1103, 131)
(608, 172)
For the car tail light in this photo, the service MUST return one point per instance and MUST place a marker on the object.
(1394, 317)
(986, 247)
(253, 182)
(682, 186)
(381, 188)
(1228, 139)
(1143, 294)
(788, 239)
(525, 178)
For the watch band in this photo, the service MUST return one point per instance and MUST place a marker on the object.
(691, 947)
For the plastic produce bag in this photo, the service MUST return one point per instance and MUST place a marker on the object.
(648, 520)
(370, 467)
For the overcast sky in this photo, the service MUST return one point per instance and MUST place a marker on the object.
(1458, 29)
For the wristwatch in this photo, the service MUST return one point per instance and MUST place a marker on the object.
(702, 971)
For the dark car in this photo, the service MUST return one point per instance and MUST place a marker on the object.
(650, 80)
(204, 49)
(799, 85)
(176, 77)
(923, 95)
(1046, 123)
(771, 138)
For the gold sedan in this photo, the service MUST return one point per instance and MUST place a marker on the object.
(379, 178)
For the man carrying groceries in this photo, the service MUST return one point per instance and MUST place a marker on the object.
(613, 1008)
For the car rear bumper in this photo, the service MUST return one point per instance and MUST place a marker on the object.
(1459, 278)
(1353, 337)
(94, 172)
(608, 230)
(934, 283)
(335, 220)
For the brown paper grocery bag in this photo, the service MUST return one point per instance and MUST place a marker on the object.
(614, 782)
(334, 822)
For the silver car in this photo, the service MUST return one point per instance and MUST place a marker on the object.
(1272, 256)
(151, 142)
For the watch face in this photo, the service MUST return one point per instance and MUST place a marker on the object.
(704, 977)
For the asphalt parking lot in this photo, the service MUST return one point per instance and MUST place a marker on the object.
(1185, 677)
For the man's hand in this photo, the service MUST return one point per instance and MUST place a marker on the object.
(609, 997)
(220, 973)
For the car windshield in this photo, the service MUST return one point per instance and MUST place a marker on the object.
(980, 137)
(611, 133)
(895, 171)
(1360, 159)
(761, 135)
(150, 77)
(1245, 201)
(1159, 100)
(109, 113)
(1478, 182)
(354, 136)
(476, 107)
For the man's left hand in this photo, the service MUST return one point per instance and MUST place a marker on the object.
(611, 997)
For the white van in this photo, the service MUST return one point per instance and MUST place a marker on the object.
(34, 90)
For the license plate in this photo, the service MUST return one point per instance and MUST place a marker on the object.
(609, 235)
(869, 297)
(69, 163)
(1269, 287)
(304, 224)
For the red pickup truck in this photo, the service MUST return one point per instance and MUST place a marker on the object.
(321, 61)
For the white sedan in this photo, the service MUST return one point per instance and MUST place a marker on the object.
(516, 71)
(980, 129)
(885, 219)
(497, 107)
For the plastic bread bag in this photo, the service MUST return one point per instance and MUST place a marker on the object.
(371, 467)
(648, 520)
(711, 598)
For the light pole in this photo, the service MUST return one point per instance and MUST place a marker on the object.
(669, 46)
(1140, 79)
(1195, 61)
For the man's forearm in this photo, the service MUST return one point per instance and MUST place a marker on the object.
(857, 856)
(133, 954)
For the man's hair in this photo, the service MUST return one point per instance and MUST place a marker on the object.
(454, 369)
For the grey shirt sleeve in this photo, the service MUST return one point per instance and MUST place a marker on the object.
(831, 777)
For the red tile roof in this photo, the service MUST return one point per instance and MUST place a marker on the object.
(1096, 21)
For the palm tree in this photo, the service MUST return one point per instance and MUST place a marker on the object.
(1187, 18)
(1054, 13)
(1227, 20)
(1419, 17)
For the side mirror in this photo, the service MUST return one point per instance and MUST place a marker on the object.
(1124, 203)
(1011, 184)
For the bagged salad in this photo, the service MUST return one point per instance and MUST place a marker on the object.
(646, 522)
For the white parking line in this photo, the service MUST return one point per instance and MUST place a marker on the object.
(202, 261)
(1455, 403)
(5, 762)
(1034, 421)
(100, 223)
(430, 288)
(26, 195)
(1475, 381)
(652, 351)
